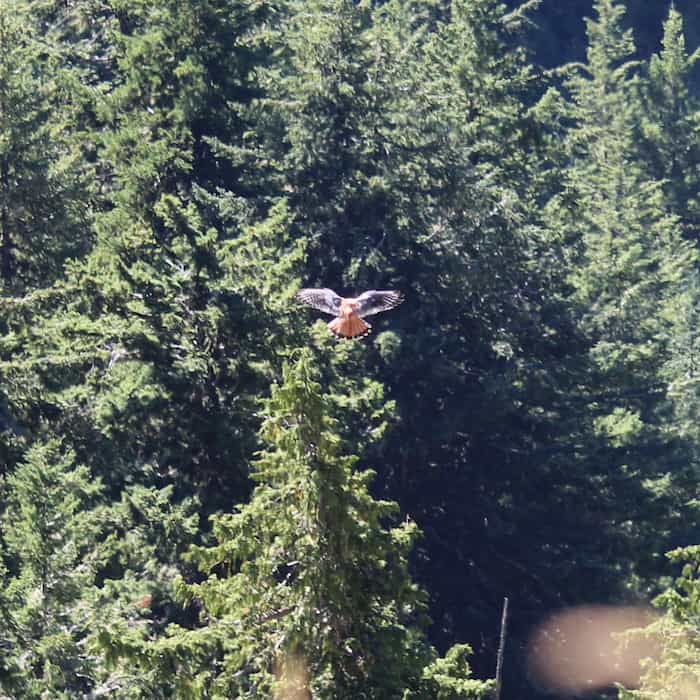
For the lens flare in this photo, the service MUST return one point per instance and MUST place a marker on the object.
(581, 649)
(292, 676)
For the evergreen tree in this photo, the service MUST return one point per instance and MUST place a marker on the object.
(49, 190)
(672, 115)
(42, 202)
(304, 587)
(148, 356)
(70, 560)
(682, 370)
(148, 353)
(323, 114)
(480, 454)
(629, 275)
(674, 670)
(50, 529)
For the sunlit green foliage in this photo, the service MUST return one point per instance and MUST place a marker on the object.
(630, 277)
(43, 205)
(51, 528)
(194, 507)
(305, 585)
(671, 124)
(674, 669)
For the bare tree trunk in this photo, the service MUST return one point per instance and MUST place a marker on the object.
(501, 649)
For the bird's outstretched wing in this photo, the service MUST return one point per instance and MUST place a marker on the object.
(325, 300)
(376, 300)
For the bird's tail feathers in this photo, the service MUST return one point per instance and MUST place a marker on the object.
(352, 327)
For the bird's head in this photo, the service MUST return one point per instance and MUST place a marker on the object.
(350, 306)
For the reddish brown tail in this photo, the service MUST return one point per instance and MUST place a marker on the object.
(352, 327)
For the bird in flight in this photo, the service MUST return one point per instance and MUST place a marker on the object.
(350, 312)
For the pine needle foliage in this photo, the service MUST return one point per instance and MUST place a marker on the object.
(674, 669)
(630, 273)
(305, 586)
(669, 127)
(43, 196)
(171, 173)
(50, 532)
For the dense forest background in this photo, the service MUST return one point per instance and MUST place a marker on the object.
(203, 494)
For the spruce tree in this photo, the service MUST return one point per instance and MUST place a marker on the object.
(149, 350)
(147, 356)
(42, 198)
(673, 671)
(50, 529)
(630, 271)
(70, 561)
(324, 111)
(49, 195)
(668, 132)
(304, 589)
(474, 359)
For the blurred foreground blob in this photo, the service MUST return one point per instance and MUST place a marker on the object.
(585, 649)
(292, 676)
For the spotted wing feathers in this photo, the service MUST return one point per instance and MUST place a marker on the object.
(374, 301)
(325, 300)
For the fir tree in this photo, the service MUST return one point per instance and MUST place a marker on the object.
(673, 671)
(629, 276)
(41, 201)
(146, 348)
(50, 529)
(70, 560)
(323, 114)
(148, 357)
(484, 327)
(305, 587)
(672, 111)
